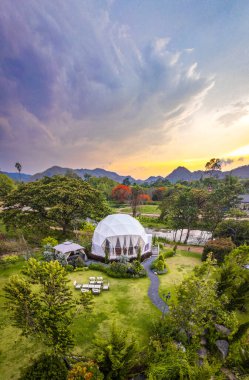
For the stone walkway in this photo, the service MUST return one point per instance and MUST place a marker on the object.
(154, 285)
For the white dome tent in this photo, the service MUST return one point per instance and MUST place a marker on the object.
(120, 234)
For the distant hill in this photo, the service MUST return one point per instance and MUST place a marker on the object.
(179, 174)
(16, 177)
(98, 172)
(183, 174)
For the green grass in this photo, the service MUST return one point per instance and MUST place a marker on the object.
(126, 302)
(143, 209)
(179, 266)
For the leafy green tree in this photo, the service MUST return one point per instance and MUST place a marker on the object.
(219, 248)
(135, 198)
(171, 363)
(85, 235)
(104, 185)
(86, 302)
(181, 208)
(237, 230)
(44, 311)
(6, 185)
(116, 354)
(198, 306)
(220, 200)
(53, 202)
(126, 181)
(234, 278)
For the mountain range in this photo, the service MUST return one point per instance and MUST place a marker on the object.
(179, 174)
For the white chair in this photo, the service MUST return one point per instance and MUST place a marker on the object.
(96, 291)
(85, 290)
(106, 286)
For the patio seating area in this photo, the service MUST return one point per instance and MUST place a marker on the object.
(95, 285)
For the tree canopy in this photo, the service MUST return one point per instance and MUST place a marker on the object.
(53, 202)
(6, 185)
(44, 311)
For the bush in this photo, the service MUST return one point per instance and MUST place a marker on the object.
(79, 262)
(99, 267)
(120, 270)
(159, 265)
(168, 253)
(46, 367)
(85, 370)
(49, 241)
(219, 248)
(69, 268)
(48, 255)
(6, 260)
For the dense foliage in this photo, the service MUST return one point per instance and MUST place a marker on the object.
(186, 343)
(53, 202)
(46, 367)
(6, 185)
(43, 311)
(121, 270)
(237, 230)
(116, 353)
(219, 249)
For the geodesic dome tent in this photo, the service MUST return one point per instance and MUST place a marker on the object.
(120, 234)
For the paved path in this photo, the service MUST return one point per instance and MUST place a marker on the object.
(154, 285)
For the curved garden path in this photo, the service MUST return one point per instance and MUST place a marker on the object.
(154, 286)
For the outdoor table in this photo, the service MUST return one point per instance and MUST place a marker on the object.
(97, 287)
(99, 282)
(85, 286)
(91, 286)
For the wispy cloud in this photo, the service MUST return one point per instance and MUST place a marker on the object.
(71, 77)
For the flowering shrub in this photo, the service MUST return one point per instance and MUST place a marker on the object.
(85, 371)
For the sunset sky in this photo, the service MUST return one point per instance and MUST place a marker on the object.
(134, 86)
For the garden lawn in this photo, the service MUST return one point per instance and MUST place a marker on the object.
(126, 302)
(143, 209)
(179, 266)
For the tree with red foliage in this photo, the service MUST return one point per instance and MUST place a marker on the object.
(144, 198)
(121, 193)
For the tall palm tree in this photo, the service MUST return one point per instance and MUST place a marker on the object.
(18, 166)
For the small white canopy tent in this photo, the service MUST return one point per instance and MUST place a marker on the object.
(120, 234)
(69, 249)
